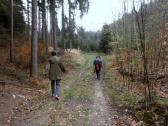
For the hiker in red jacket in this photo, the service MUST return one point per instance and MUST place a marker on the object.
(97, 66)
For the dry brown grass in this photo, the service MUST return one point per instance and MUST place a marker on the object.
(4, 55)
(71, 58)
(23, 55)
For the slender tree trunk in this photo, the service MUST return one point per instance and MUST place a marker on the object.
(46, 39)
(131, 47)
(39, 23)
(63, 26)
(28, 21)
(44, 25)
(11, 42)
(141, 31)
(47, 21)
(43, 21)
(51, 29)
(34, 42)
(145, 58)
(70, 25)
(53, 4)
(57, 29)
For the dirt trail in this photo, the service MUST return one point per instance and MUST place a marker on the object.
(101, 115)
(83, 103)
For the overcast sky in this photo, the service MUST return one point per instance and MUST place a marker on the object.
(100, 12)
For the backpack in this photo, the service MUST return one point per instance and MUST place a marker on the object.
(97, 67)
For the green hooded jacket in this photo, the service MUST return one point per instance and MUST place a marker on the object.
(55, 71)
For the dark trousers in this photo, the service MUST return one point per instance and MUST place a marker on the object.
(98, 75)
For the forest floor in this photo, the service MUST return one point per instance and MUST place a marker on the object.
(84, 100)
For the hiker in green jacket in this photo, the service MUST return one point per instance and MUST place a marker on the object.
(55, 73)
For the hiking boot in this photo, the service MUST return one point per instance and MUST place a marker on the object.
(57, 98)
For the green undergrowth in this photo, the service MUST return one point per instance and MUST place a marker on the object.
(162, 101)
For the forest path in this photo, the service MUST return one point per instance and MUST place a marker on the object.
(83, 102)
(87, 104)
(101, 114)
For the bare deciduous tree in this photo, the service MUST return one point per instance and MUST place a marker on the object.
(141, 31)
